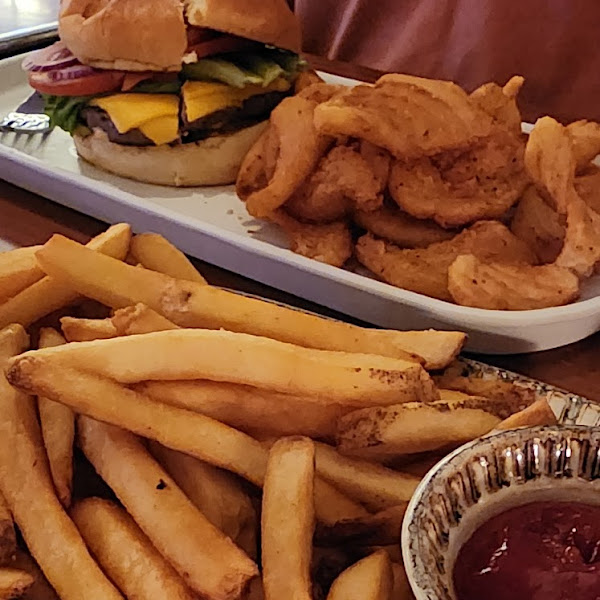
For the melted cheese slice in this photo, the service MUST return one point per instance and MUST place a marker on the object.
(161, 130)
(155, 115)
(202, 98)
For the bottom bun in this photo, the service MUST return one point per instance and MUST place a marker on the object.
(213, 161)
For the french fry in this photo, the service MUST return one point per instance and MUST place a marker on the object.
(386, 432)
(539, 413)
(249, 408)
(216, 493)
(107, 401)
(86, 330)
(13, 583)
(50, 294)
(189, 432)
(331, 506)
(371, 578)
(137, 319)
(208, 561)
(130, 320)
(117, 543)
(58, 431)
(353, 379)
(8, 537)
(374, 486)
(287, 534)
(189, 304)
(419, 464)
(40, 589)
(18, 269)
(25, 481)
(505, 393)
(156, 253)
(379, 529)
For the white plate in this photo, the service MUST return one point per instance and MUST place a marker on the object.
(213, 225)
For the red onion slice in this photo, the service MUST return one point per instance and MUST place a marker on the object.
(72, 72)
(56, 56)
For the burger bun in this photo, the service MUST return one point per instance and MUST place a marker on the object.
(213, 161)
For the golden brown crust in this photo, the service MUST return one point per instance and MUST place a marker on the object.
(268, 21)
(214, 161)
(125, 34)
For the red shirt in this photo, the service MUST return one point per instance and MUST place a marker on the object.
(554, 44)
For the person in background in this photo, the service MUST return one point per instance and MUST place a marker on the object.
(554, 44)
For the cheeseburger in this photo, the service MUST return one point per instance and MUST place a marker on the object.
(167, 91)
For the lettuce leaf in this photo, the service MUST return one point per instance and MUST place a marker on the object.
(261, 67)
(64, 111)
(223, 70)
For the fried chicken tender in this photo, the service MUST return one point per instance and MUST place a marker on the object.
(586, 142)
(293, 145)
(496, 286)
(588, 189)
(330, 243)
(401, 229)
(501, 103)
(253, 175)
(539, 226)
(581, 250)
(348, 177)
(425, 271)
(408, 116)
(550, 162)
(320, 92)
(456, 189)
(306, 79)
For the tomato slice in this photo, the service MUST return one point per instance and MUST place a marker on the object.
(90, 84)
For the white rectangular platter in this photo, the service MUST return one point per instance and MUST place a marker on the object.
(212, 224)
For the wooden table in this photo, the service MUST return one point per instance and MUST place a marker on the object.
(27, 219)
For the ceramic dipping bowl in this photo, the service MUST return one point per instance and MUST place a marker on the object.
(485, 478)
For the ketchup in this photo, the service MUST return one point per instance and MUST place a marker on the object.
(539, 551)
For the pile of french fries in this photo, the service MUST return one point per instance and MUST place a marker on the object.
(240, 449)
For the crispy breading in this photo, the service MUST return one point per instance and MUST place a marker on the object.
(456, 189)
(398, 227)
(550, 162)
(495, 286)
(539, 226)
(551, 159)
(426, 270)
(581, 250)
(408, 116)
(588, 188)
(501, 103)
(329, 243)
(586, 142)
(306, 79)
(293, 145)
(320, 92)
(347, 177)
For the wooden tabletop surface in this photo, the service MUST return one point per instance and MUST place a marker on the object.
(27, 219)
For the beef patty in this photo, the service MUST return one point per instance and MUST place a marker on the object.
(227, 120)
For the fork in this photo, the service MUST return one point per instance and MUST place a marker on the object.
(25, 123)
(28, 117)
